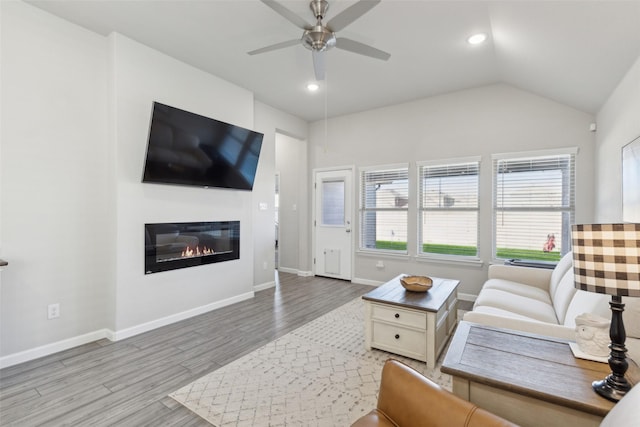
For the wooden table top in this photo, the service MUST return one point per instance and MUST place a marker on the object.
(393, 293)
(531, 365)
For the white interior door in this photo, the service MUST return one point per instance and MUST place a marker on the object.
(332, 223)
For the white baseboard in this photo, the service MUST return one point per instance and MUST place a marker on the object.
(45, 350)
(361, 281)
(295, 271)
(263, 286)
(154, 324)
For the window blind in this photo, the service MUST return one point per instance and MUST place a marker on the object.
(333, 203)
(448, 208)
(534, 206)
(384, 200)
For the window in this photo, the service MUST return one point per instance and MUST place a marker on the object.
(384, 203)
(534, 205)
(448, 208)
(333, 202)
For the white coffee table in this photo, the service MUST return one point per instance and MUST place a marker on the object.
(412, 324)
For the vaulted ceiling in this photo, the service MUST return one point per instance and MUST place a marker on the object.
(574, 52)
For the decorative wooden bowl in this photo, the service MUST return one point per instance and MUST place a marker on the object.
(416, 283)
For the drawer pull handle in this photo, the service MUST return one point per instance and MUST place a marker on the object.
(397, 336)
(397, 315)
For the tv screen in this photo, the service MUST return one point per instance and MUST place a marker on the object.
(188, 149)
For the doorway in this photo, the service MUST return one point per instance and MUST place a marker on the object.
(333, 241)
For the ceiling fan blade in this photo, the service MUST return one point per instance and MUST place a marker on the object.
(276, 46)
(318, 64)
(350, 14)
(286, 13)
(361, 48)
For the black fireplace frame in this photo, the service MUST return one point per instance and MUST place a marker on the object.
(222, 236)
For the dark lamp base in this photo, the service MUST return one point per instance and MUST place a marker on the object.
(615, 385)
(611, 389)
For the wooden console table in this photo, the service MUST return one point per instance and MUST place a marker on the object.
(413, 324)
(528, 379)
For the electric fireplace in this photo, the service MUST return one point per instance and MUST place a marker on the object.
(169, 246)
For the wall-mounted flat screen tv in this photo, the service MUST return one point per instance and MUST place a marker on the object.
(189, 149)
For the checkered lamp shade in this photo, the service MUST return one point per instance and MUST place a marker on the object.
(606, 258)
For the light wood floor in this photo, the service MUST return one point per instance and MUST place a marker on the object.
(126, 383)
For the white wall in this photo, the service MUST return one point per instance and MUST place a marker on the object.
(56, 216)
(75, 116)
(476, 122)
(276, 125)
(141, 76)
(618, 124)
(291, 164)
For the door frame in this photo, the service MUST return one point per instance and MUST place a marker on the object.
(277, 211)
(351, 170)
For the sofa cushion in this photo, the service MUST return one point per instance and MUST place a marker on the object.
(631, 316)
(587, 302)
(565, 264)
(518, 289)
(633, 348)
(528, 307)
(563, 295)
(493, 311)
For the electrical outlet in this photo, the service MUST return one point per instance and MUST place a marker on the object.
(53, 311)
(265, 265)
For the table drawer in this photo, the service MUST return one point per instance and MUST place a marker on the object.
(399, 316)
(397, 339)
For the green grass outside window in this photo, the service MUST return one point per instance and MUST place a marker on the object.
(391, 246)
(434, 248)
(504, 253)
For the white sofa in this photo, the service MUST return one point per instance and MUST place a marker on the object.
(546, 302)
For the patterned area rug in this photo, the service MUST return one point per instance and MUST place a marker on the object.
(318, 375)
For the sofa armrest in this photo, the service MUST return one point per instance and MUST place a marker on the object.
(532, 327)
(626, 412)
(538, 277)
(407, 398)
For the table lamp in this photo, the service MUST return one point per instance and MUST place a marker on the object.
(606, 260)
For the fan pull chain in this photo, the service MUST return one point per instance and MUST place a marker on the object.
(326, 125)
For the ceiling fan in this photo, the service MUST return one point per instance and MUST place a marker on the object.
(321, 37)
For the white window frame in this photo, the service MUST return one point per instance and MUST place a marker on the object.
(362, 209)
(570, 208)
(421, 209)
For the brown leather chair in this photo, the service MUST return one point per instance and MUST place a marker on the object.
(409, 399)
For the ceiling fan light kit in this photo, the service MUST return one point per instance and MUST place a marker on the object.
(321, 37)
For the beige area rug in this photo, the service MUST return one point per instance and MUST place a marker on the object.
(318, 375)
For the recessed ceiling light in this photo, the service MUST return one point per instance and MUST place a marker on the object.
(477, 38)
(312, 87)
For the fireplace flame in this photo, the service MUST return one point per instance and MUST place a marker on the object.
(193, 252)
